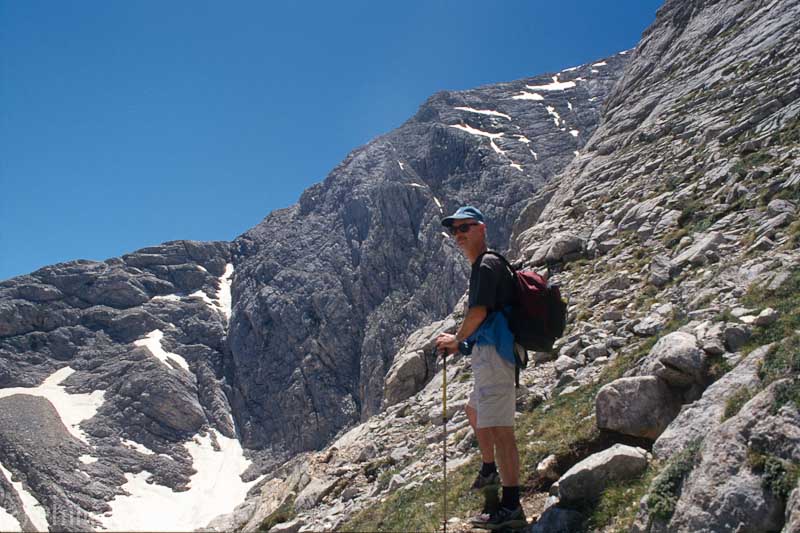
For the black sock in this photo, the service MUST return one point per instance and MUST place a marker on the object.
(488, 468)
(510, 497)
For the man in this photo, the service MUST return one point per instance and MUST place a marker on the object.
(491, 405)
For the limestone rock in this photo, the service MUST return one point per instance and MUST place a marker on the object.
(724, 491)
(641, 406)
(696, 420)
(313, 493)
(696, 253)
(586, 480)
(676, 359)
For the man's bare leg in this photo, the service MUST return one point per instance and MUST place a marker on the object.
(484, 435)
(507, 454)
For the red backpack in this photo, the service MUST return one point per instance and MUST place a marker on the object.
(538, 314)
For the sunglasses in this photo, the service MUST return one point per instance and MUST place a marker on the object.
(463, 228)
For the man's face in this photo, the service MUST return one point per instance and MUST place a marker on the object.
(468, 233)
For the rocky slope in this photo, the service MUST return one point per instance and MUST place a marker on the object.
(678, 239)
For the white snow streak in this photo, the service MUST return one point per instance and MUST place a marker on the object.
(555, 86)
(474, 131)
(569, 105)
(418, 185)
(215, 489)
(517, 166)
(600, 64)
(556, 117)
(141, 448)
(570, 69)
(32, 507)
(168, 298)
(438, 203)
(87, 459)
(523, 139)
(153, 343)
(574, 133)
(224, 293)
(402, 167)
(535, 155)
(72, 408)
(576, 153)
(484, 112)
(528, 96)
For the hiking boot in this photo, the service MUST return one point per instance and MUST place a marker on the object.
(492, 481)
(503, 519)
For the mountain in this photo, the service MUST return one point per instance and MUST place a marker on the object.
(180, 376)
(672, 403)
(287, 378)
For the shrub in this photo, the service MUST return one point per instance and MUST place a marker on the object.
(666, 487)
(736, 401)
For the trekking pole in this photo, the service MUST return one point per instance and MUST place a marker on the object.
(444, 438)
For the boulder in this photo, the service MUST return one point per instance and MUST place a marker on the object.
(565, 363)
(677, 359)
(697, 419)
(406, 377)
(641, 406)
(586, 480)
(696, 253)
(313, 493)
(793, 512)
(274, 493)
(735, 336)
(661, 271)
(558, 520)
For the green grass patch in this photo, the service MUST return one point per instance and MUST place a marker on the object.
(782, 360)
(666, 487)
(618, 506)
(406, 510)
(787, 393)
(736, 401)
(786, 300)
(777, 476)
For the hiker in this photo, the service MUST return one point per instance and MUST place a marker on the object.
(485, 331)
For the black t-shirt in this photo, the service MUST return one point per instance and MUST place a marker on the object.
(490, 283)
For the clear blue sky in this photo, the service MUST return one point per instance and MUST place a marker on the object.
(125, 124)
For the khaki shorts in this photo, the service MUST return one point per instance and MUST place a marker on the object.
(493, 394)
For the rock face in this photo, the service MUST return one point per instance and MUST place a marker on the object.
(327, 290)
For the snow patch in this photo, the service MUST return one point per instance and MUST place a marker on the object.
(535, 155)
(30, 504)
(576, 153)
(552, 112)
(153, 343)
(87, 459)
(569, 105)
(571, 69)
(574, 133)
(517, 166)
(168, 298)
(488, 112)
(555, 86)
(481, 133)
(418, 185)
(402, 167)
(141, 448)
(438, 203)
(528, 96)
(523, 139)
(8, 522)
(217, 488)
(600, 64)
(224, 293)
(72, 408)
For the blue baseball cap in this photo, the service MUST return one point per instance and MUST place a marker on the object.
(463, 213)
